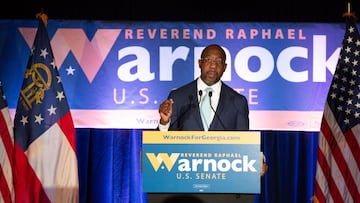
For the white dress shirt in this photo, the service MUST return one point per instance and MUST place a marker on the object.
(215, 94)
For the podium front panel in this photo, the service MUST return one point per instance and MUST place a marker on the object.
(201, 162)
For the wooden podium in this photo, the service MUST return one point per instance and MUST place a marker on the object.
(184, 162)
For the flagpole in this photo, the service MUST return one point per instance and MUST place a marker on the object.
(348, 13)
(41, 15)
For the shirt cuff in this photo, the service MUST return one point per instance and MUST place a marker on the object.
(164, 127)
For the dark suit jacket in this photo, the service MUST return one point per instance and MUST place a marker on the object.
(232, 113)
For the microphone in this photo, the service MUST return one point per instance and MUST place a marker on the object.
(200, 94)
(216, 115)
(187, 113)
(200, 97)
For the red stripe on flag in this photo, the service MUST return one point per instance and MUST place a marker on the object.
(320, 196)
(354, 146)
(327, 134)
(4, 187)
(6, 184)
(341, 162)
(67, 126)
(6, 138)
(346, 171)
(24, 171)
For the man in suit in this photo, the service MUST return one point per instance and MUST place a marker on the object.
(229, 109)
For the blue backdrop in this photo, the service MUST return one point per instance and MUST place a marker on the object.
(115, 74)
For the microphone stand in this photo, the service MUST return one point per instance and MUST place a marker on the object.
(216, 115)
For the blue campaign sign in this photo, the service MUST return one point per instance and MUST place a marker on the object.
(115, 74)
(201, 162)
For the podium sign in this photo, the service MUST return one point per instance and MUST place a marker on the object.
(201, 162)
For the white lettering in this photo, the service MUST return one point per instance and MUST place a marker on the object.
(141, 64)
(214, 165)
(284, 64)
(252, 63)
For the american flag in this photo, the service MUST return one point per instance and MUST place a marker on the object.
(45, 149)
(6, 151)
(338, 161)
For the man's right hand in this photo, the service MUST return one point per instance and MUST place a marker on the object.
(165, 111)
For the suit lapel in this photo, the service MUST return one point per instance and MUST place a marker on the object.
(197, 122)
(219, 109)
(222, 100)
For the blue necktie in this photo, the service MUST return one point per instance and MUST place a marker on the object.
(206, 109)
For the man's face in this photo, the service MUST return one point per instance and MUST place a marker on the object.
(212, 66)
